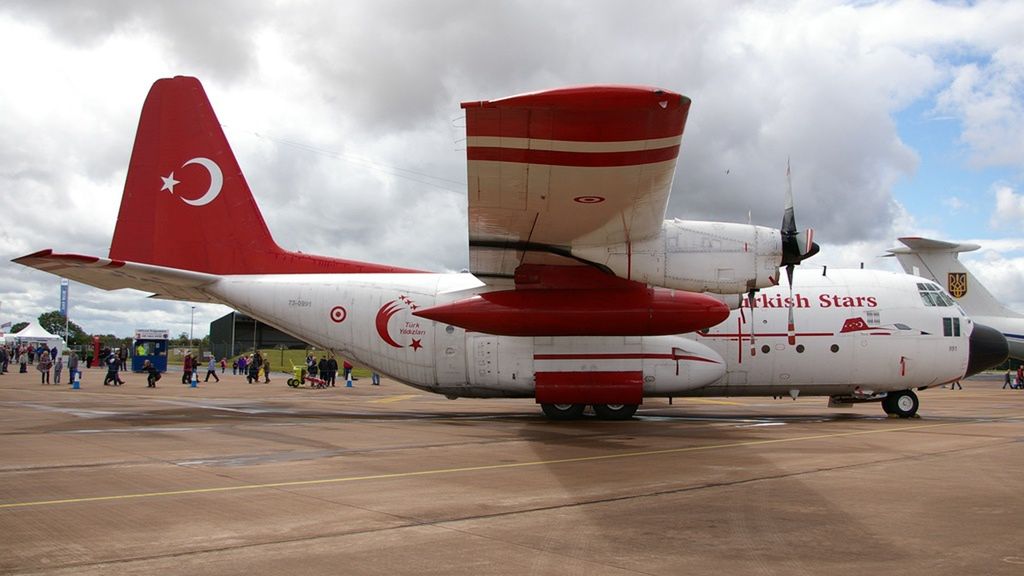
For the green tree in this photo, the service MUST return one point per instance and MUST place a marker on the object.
(18, 327)
(53, 322)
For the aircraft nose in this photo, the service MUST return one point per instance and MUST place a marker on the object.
(988, 349)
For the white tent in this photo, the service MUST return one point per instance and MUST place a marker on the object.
(35, 335)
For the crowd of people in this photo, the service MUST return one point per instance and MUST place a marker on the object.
(45, 360)
(255, 367)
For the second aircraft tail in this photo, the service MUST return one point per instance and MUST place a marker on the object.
(938, 260)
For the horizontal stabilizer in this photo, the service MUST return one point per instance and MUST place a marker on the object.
(915, 244)
(107, 274)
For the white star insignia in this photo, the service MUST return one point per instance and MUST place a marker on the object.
(169, 183)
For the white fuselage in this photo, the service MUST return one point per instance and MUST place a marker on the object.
(856, 331)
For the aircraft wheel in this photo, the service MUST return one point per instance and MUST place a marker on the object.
(563, 411)
(903, 403)
(615, 411)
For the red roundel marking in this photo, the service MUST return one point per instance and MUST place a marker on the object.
(338, 314)
(588, 199)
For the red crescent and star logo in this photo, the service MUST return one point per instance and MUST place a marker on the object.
(409, 328)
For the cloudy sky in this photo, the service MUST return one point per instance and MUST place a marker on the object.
(900, 118)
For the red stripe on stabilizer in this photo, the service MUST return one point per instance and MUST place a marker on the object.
(589, 387)
(582, 114)
(580, 159)
(172, 213)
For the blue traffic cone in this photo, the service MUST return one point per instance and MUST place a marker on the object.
(195, 380)
(348, 380)
(76, 381)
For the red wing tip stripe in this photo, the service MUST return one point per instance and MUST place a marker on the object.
(592, 96)
(581, 146)
(579, 159)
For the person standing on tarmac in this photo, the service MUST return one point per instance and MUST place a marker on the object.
(254, 369)
(321, 367)
(72, 366)
(211, 370)
(113, 363)
(44, 365)
(186, 369)
(332, 369)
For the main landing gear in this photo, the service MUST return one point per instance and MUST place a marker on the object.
(602, 411)
(902, 403)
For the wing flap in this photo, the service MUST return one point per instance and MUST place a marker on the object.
(107, 274)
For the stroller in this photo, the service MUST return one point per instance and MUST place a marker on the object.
(301, 376)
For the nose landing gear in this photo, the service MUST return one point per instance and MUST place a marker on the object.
(902, 403)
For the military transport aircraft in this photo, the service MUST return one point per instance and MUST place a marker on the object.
(938, 261)
(578, 291)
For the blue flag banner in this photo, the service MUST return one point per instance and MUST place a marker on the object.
(64, 297)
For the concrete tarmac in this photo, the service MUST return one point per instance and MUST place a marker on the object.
(237, 478)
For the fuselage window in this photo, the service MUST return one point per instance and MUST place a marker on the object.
(872, 317)
(951, 327)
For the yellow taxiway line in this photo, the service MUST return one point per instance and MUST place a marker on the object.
(391, 399)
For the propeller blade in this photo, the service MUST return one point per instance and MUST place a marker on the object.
(792, 326)
(796, 247)
(753, 344)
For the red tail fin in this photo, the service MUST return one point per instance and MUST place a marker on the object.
(186, 204)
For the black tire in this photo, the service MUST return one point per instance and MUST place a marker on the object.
(615, 411)
(887, 405)
(903, 403)
(563, 411)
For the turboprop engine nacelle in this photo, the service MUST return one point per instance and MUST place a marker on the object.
(718, 257)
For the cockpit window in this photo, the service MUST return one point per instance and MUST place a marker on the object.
(932, 295)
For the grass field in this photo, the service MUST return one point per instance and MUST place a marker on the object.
(280, 360)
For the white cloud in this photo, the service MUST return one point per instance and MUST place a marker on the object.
(1009, 209)
(954, 204)
(323, 101)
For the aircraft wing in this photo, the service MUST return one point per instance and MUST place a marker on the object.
(583, 166)
(107, 274)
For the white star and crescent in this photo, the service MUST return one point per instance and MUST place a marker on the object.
(216, 182)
